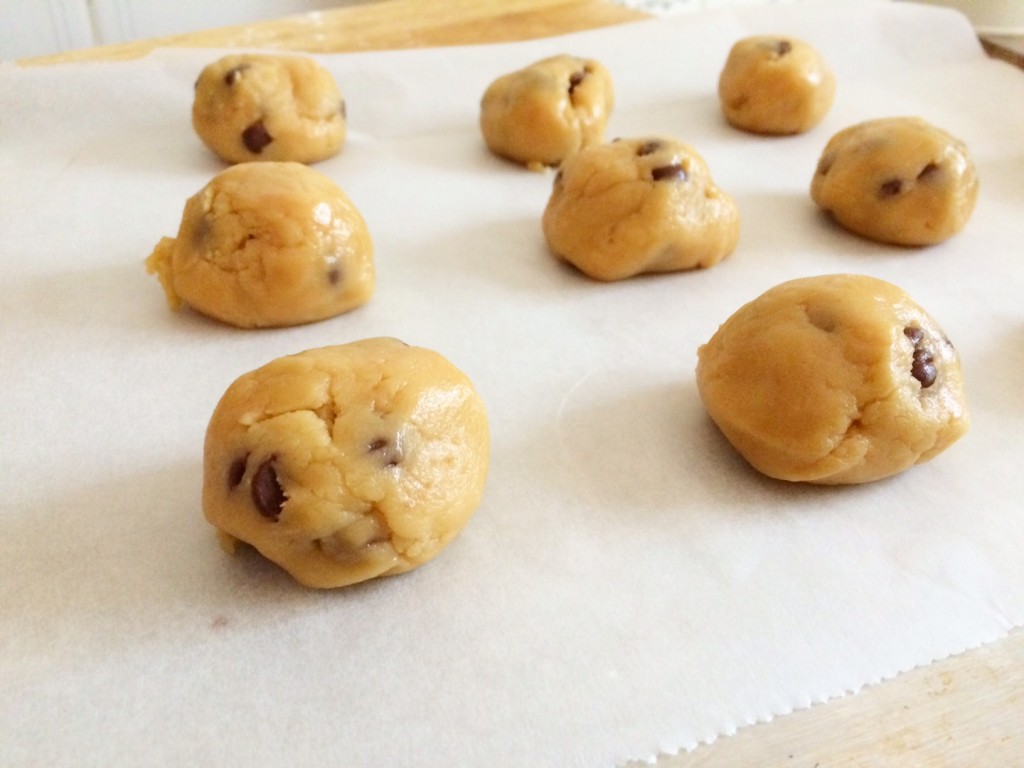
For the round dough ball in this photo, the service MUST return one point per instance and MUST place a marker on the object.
(540, 115)
(833, 379)
(897, 180)
(775, 85)
(639, 205)
(260, 107)
(267, 244)
(349, 462)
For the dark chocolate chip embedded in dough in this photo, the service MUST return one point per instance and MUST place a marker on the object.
(891, 188)
(267, 493)
(929, 173)
(389, 454)
(923, 368)
(232, 75)
(916, 335)
(256, 137)
(575, 79)
(334, 275)
(783, 47)
(237, 471)
(674, 172)
(647, 148)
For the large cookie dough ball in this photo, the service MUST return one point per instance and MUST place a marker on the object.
(775, 85)
(262, 107)
(833, 379)
(349, 462)
(540, 115)
(267, 244)
(639, 205)
(897, 180)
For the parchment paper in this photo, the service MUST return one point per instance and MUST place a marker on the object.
(629, 586)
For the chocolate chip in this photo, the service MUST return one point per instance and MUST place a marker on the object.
(923, 368)
(929, 173)
(647, 148)
(916, 335)
(232, 75)
(390, 455)
(891, 188)
(575, 79)
(237, 471)
(674, 172)
(267, 494)
(334, 275)
(783, 47)
(256, 137)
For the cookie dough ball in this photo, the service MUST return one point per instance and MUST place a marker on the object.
(897, 180)
(775, 85)
(267, 244)
(639, 205)
(349, 462)
(833, 379)
(261, 107)
(540, 115)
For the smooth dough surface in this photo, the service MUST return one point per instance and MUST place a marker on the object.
(267, 244)
(349, 462)
(897, 180)
(542, 114)
(774, 84)
(833, 379)
(265, 107)
(639, 205)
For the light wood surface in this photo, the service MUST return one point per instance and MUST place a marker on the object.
(964, 712)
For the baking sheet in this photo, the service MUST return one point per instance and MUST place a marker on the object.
(629, 586)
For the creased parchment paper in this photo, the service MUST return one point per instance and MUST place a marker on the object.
(629, 586)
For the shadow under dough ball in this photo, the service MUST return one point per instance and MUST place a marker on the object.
(267, 245)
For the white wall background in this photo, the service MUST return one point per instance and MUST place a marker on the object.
(38, 27)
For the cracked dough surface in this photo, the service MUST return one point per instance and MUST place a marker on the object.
(349, 462)
(897, 180)
(266, 107)
(833, 379)
(545, 112)
(267, 244)
(775, 85)
(639, 205)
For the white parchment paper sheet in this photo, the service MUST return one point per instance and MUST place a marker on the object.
(628, 586)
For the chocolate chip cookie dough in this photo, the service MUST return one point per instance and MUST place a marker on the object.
(545, 112)
(263, 107)
(897, 180)
(833, 379)
(776, 85)
(639, 205)
(267, 244)
(349, 462)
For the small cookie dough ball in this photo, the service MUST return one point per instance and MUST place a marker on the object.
(833, 379)
(540, 115)
(345, 463)
(267, 244)
(636, 206)
(261, 107)
(775, 85)
(897, 180)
